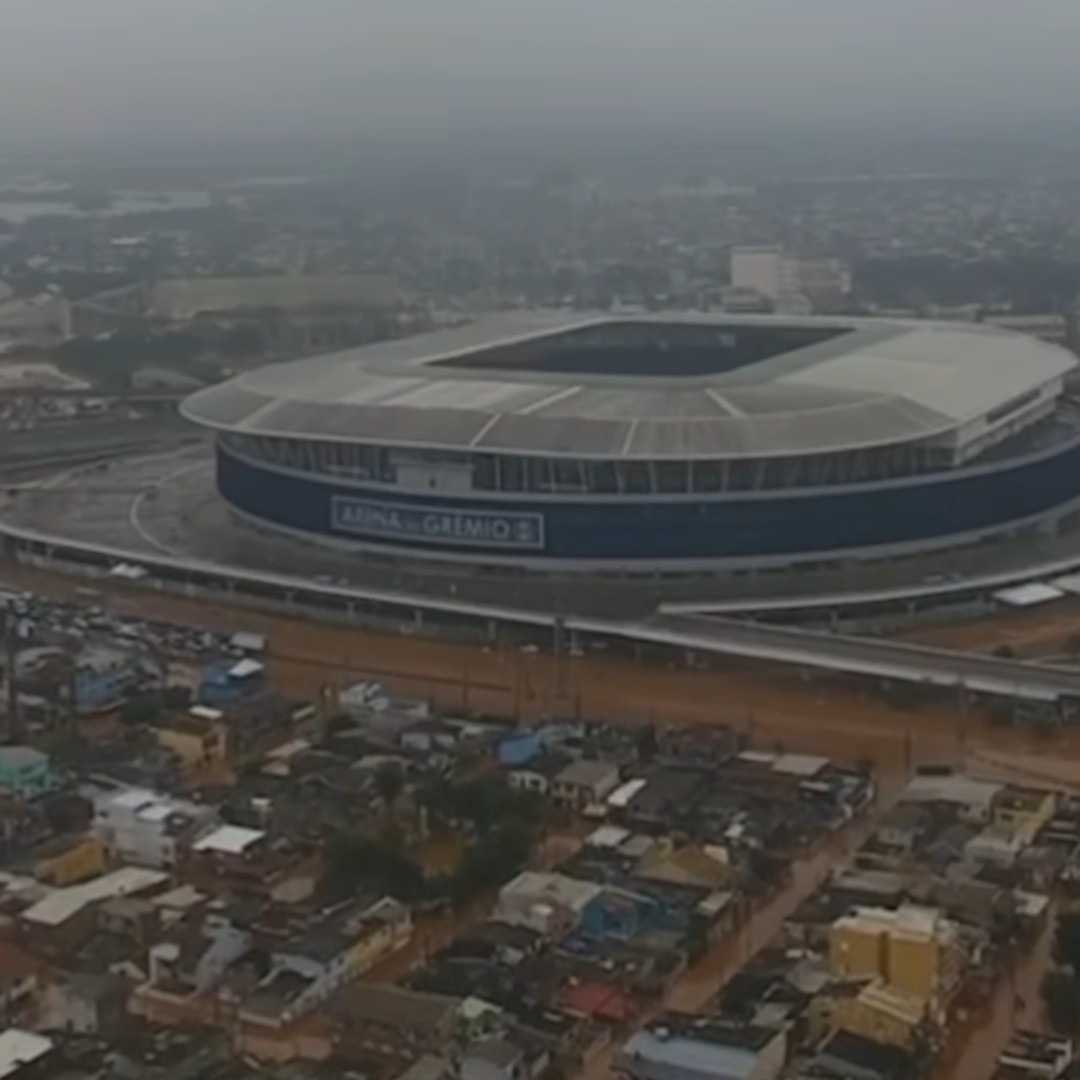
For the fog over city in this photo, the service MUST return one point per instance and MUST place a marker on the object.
(162, 70)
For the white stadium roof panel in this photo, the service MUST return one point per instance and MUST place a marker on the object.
(867, 383)
(555, 435)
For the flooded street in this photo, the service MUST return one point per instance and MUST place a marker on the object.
(1015, 1005)
(773, 705)
(700, 983)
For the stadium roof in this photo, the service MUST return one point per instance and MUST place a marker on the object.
(881, 382)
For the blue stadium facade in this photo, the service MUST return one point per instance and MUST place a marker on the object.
(662, 530)
(846, 475)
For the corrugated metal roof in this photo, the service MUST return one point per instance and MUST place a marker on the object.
(878, 383)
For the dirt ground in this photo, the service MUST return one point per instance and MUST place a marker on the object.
(1050, 629)
(775, 705)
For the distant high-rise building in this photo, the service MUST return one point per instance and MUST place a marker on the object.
(793, 286)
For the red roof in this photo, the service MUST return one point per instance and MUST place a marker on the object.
(596, 1000)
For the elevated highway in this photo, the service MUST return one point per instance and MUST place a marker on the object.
(874, 657)
(416, 613)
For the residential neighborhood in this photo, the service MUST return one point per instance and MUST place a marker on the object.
(363, 884)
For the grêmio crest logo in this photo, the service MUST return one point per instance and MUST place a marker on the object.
(436, 524)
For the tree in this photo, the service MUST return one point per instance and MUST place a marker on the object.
(336, 723)
(1061, 988)
(1061, 995)
(646, 744)
(389, 784)
(1067, 941)
(352, 862)
(495, 858)
(139, 711)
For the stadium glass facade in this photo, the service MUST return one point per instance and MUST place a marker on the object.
(661, 528)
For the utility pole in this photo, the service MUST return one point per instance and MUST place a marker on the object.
(10, 660)
(558, 647)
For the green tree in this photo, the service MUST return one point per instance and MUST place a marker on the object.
(139, 711)
(494, 859)
(389, 784)
(1061, 995)
(1067, 941)
(352, 863)
(646, 744)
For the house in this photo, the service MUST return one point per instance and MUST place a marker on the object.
(707, 866)
(25, 772)
(1024, 811)
(135, 919)
(696, 745)
(550, 904)
(384, 1029)
(538, 774)
(500, 942)
(80, 1004)
(882, 1013)
(225, 682)
(596, 1001)
(429, 1067)
(61, 920)
(519, 748)
(972, 799)
(19, 974)
(148, 829)
(847, 1056)
(995, 845)
(905, 827)
(69, 860)
(914, 950)
(429, 735)
(665, 795)
(683, 1047)
(1037, 1057)
(501, 1059)
(948, 847)
(198, 742)
(193, 957)
(584, 783)
(343, 944)
(22, 1051)
(233, 860)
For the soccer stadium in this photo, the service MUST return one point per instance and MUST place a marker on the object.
(655, 443)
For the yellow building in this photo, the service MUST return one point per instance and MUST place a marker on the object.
(881, 1013)
(70, 861)
(381, 930)
(912, 950)
(1024, 811)
(198, 742)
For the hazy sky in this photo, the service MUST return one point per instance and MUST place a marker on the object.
(197, 68)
